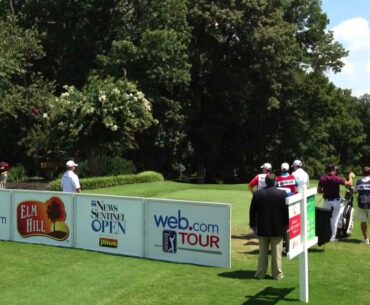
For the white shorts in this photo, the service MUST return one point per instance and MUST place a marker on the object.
(363, 215)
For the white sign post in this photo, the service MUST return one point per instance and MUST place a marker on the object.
(302, 233)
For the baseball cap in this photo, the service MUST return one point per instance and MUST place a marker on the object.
(266, 166)
(297, 163)
(284, 166)
(71, 163)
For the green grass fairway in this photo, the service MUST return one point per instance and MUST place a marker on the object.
(45, 275)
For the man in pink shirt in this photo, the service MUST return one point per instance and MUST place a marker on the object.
(329, 186)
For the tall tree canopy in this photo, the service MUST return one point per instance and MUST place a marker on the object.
(230, 84)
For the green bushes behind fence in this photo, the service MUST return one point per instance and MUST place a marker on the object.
(101, 182)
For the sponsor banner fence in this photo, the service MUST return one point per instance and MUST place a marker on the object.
(110, 224)
(191, 232)
(179, 231)
(43, 218)
(5, 215)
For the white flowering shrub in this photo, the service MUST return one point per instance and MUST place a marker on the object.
(106, 114)
(108, 107)
(97, 122)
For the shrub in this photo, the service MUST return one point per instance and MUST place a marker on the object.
(17, 173)
(106, 167)
(101, 182)
(119, 166)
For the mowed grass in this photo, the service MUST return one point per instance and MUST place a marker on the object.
(43, 275)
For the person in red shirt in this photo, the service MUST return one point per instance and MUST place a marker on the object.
(4, 168)
(258, 182)
(286, 181)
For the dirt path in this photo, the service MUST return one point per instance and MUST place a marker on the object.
(39, 186)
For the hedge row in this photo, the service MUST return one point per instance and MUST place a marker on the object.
(101, 182)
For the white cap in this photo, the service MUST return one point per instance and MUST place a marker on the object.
(284, 166)
(266, 166)
(297, 163)
(71, 163)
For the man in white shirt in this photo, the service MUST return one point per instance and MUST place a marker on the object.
(70, 181)
(300, 175)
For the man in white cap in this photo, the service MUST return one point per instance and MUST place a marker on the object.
(300, 175)
(70, 181)
(258, 182)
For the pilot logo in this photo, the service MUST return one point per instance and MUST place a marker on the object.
(108, 242)
(169, 241)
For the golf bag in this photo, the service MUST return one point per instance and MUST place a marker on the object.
(345, 224)
(323, 226)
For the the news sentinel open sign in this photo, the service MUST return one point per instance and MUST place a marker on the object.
(180, 231)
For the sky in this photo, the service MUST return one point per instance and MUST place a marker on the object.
(350, 23)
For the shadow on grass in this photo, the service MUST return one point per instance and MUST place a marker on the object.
(270, 296)
(350, 240)
(243, 236)
(320, 249)
(253, 252)
(238, 274)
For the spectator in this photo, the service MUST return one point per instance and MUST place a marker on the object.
(258, 182)
(268, 217)
(286, 181)
(300, 175)
(4, 169)
(329, 185)
(363, 213)
(70, 181)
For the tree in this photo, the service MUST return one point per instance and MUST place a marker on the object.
(103, 118)
(249, 61)
(363, 112)
(151, 49)
(55, 211)
(17, 48)
(24, 115)
(320, 125)
(73, 33)
(19, 85)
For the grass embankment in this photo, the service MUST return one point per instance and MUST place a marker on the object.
(42, 275)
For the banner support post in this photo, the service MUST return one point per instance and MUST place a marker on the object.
(303, 257)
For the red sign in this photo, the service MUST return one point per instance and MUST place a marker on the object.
(294, 226)
(35, 218)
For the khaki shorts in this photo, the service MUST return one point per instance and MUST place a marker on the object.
(363, 215)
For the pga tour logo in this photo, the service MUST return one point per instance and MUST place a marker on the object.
(179, 233)
(169, 241)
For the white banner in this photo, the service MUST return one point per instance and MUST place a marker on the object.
(43, 217)
(110, 224)
(190, 232)
(5, 214)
